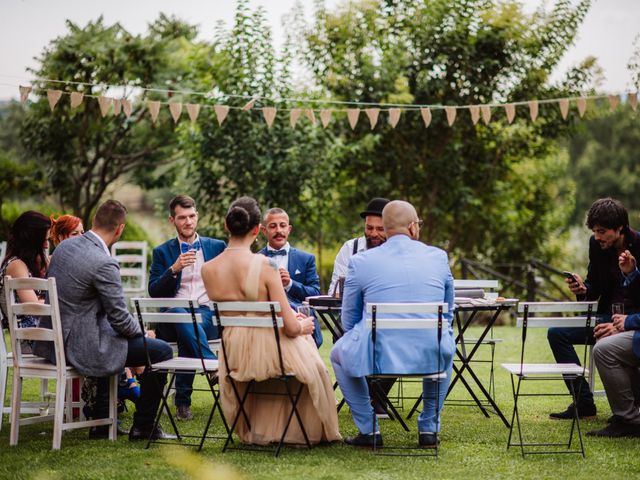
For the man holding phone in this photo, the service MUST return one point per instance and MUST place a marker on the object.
(609, 221)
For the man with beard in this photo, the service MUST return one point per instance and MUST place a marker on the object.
(374, 236)
(175, 273)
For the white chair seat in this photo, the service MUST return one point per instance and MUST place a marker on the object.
(529, 369)
(434, 376)
(185, 363)
(486, 341)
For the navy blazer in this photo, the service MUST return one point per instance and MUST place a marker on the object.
(162, 283)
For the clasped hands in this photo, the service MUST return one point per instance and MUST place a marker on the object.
(607, 329)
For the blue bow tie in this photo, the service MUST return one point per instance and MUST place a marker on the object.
(275, 253)
(185, 247)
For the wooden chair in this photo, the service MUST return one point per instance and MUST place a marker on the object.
(132, 257)
(34, 367)
(546, 315)
(3, 250)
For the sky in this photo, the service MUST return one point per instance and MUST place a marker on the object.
(27, 26)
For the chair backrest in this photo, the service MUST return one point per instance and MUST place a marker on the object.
(3, 250)
(51, 309)
(474, 283)
(132, 257)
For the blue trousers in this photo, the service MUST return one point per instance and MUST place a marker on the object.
(184, 335)
(356, 393)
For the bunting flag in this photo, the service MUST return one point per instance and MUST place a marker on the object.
(105, 103)
(564, 107)
(426, 116)
(24, 93)
(311, 116)
(451, 114)
(373, 114)
(510, 111)
(581, 105)
(486, 114)
(117, 106)
(614, 100)
(394, 117)
(352, 115)
(474, 110)
(154, 109)
(126, 107)
(325, 117)
(269, 114)
(76, 99)
(176, 110)
(53, 96)
(294, 116)
(193, 109)
(249, 105)
(633, 101)
(533, 109)
(221, 113)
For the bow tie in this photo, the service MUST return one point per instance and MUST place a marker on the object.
(275, 253)
(185, 247)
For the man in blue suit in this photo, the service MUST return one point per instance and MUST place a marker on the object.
(401, 270)
(297, 268)
(175, 272)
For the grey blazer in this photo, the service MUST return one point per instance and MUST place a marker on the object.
(93, 312)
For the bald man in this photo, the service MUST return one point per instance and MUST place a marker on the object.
(402, 270)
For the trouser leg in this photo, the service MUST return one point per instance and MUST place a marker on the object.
(433, 392)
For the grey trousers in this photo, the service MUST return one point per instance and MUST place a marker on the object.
(619, 370)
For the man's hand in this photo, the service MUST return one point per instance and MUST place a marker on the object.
(284, 277)
(577, 287)
(618, 322)
(183, 261)
(604, 330)
(626, 262)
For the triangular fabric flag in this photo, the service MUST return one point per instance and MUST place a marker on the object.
(311, 116)
(24, 93)
(76, 99)
(325, 117)
(117, 106)
(352, 115)
(154, 109)
(510, 110)
(394, 117)
(474, 110)
(269, 114)
(249, 105)
(221, 112)
(564, 107)
(581, 104)
(193, 109)
(426, 116)
(126, 107)
(176, 110)
(486, 114)
(451, 114)
(373, 114)
(53, 96)
(533, 109)
(633, 101)
(105, 103)
(294, 116)
(614, 100)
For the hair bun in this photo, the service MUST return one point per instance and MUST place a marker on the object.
(237, 219)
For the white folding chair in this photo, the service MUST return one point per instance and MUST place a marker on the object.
(132, 257)
(546, 315)
(34, 367)
(410, 317)
(155, 310)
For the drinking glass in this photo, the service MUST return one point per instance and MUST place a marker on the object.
(304, 310)
(617, 308)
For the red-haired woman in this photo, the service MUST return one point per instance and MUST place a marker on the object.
(65, 226)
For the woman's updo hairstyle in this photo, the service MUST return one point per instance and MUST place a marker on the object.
(243, 215)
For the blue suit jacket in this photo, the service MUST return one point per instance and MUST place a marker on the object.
(304, 281)
(400, 270)
(161, 282)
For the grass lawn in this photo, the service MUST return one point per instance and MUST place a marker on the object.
(472, 445)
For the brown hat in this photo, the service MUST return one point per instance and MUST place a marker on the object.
(374, 207)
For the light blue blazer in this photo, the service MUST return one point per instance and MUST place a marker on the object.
(400, 270)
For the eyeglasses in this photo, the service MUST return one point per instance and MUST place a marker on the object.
(418, 222)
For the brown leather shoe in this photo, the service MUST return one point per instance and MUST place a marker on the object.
(183, 412)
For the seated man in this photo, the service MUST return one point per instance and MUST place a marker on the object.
(101, 336)
(401, 270)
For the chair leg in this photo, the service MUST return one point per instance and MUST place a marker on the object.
(16, 398)
(576, 419)
(58, 419)
(4, 369)
(238, 413)
(113, 407)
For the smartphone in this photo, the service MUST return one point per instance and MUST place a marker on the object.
(571, 277)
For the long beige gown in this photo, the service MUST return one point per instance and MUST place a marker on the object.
(252, 354)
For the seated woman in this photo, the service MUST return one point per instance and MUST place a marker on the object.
(65, 226)
(239, 275)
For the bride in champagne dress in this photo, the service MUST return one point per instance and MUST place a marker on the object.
(239, 275)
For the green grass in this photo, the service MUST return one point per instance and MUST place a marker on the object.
(472, 446)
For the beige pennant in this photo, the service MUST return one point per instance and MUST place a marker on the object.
(53, 96)
(269, 114)
(311, 116)
(126, 106)
(76, 99)
(193, 109)
(426, 116)
(176, 110)
(510, 110)
(154, 109)
(24, 93)
(221, 112)
(614, 100)
(581, 105)
(394, 117)
(474, 110)
(105, 103)
(533, 109)
(373, 114)
(249, 105)
(451, 114)
(352, 115)
(564, 107)
(325, 117)
(117, 106)
(633, 101)
(486, 114)
(294, 116)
